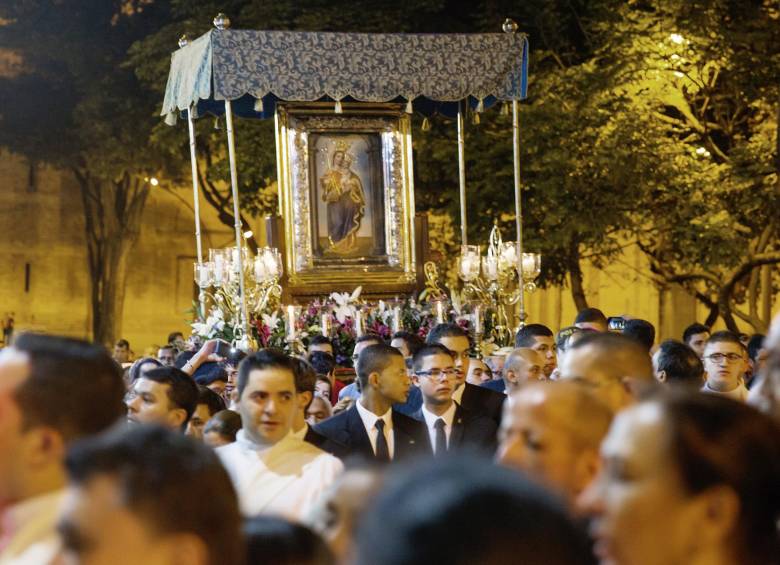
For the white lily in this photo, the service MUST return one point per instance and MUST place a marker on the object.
(271, 321)
(214, 323)
(344, 308)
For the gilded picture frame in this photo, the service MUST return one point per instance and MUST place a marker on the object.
(346, 195)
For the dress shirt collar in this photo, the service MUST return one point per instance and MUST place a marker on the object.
(458, 394)
(448, 416)
(369, 418)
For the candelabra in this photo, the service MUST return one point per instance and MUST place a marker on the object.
(220, 280)
(497, 282)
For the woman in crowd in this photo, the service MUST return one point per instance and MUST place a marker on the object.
(687, 479)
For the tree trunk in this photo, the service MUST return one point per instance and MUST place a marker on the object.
(575, 274)
(112, 210)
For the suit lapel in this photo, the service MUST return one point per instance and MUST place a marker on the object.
(359, 441)
(458, 427)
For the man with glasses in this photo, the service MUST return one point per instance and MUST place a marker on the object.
(725, 362)
(474, 398)
(372, 428)
(450, 427)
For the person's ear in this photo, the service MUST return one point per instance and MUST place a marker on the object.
(186, 549)
(717, 513)
(510, 376)
(373, 380)
(585, 469)
(660, 376)
(177, 417)
(304, 399)
(45, 446)
(415, 379)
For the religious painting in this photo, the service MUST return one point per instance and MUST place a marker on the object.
(346, 194)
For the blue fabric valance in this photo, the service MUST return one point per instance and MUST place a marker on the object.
(427, 70)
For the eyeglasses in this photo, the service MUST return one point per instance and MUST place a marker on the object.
(437, 373)
(719, 357)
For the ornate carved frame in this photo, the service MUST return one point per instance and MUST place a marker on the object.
(294, 124)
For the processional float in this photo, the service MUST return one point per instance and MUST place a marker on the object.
(342, 106)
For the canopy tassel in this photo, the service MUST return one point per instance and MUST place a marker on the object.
(338, 109)
(216, 123)
(170, 118)
(475, 118)
(426, 125)
(480, 105)
(258, 105)
(409, 109)
(505, 109)
(194, 112)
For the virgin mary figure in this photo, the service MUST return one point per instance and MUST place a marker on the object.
(346, 204)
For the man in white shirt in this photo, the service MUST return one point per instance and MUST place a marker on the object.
(274, 471)
(372, 429)
(725, 362)
(450, 426)
(53, 390)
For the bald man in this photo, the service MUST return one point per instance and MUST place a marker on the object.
(522, 365)
(552, 431)
(615, 366)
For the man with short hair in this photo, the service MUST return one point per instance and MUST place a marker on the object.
(522, 365)
(137, 496)
(640, 331)
(539, 338)
(479, 373)
(695, 336)
(176, 340)
(351, 390)
(164, 396)
(540, 437)
(167, 355)
(591, 319)
(221, 429)
(477, 399)
(615, 366)
(757, 356)
(677, 364)
(53, 391)
(273, 471)
(407, 343)
(305, 379)
(450, 427)
(725, 362)
(320, 343)
(122, 352)
(372, 428)
(208, 404)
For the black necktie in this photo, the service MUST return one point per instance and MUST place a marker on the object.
(382, 451)
(441, 437)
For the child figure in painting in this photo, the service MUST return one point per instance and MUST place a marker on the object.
(343, 192)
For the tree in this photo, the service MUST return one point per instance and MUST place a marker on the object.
(74, 105)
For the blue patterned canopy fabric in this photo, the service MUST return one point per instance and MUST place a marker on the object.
(306, 66)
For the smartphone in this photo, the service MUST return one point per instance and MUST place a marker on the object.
(223, 349)
(616, 323)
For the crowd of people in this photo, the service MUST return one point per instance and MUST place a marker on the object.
(590, 445)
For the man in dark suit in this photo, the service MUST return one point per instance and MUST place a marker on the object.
(371, 428)
(450, 427)
(305, 379)
(471, 397)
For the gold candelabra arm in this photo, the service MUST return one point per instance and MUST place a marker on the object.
(432, 289)
(267, 295)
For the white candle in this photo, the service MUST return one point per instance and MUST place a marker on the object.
(439, 312)
(325, 323)
(490, 266)
(478, 319)
(397, 319)
(260, 270)
(203, 275)
(291, 322)
(529, 265)
(358, 323)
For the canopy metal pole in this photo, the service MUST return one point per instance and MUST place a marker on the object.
(462, 179)
(237, 223)
(518, 205)
(196, 204)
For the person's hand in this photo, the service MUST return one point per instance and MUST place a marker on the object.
(343, 405)
(206, 354)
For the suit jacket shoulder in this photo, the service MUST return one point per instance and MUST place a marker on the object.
(346, 429)
(474, 430)
(483, 400)
(411, 436)
(325, 443)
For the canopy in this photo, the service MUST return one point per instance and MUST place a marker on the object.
(429, 72)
